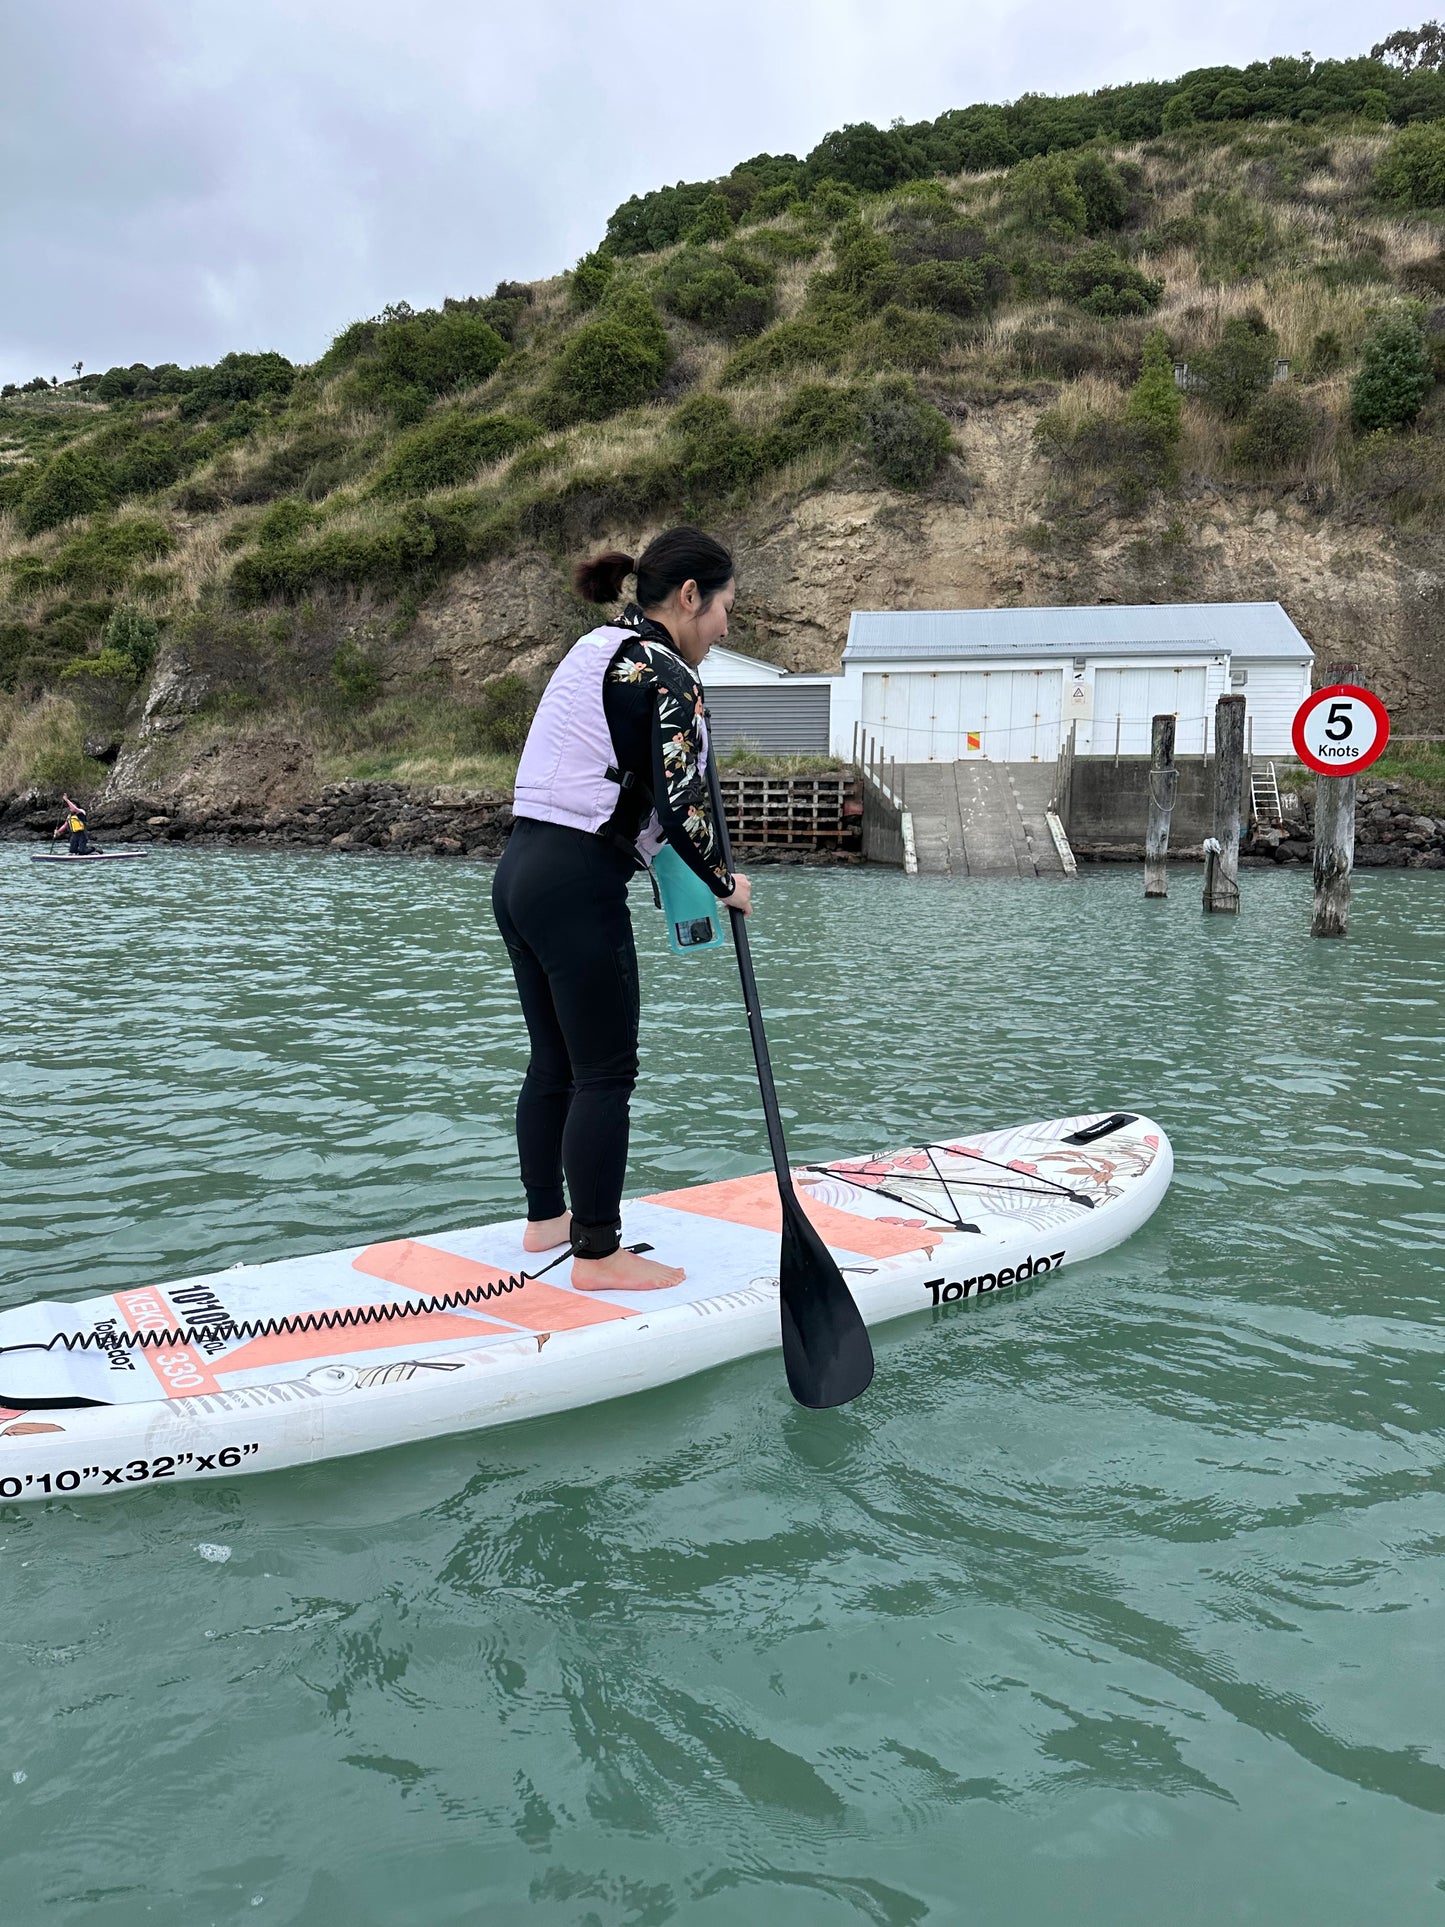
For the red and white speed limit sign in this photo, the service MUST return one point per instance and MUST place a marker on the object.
(1339, 731)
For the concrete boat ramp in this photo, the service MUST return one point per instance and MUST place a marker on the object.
(981, 819)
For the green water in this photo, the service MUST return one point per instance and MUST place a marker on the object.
(1118, 1605)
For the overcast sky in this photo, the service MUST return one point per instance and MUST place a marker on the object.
(182, 177)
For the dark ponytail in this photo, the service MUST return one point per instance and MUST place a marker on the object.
(600, 579)
(669, 560)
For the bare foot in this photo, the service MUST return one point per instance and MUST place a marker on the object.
(545, 1234)
(624, 1271)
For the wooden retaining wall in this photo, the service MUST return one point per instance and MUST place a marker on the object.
(823, 812)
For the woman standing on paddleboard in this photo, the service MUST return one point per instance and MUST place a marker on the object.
(614, 765)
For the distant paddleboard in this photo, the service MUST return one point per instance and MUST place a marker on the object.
(93, 856)
(281, 1364)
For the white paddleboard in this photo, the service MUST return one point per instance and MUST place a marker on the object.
(92, 856)
(979, 1215)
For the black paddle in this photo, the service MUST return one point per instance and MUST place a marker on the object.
(826, 1352)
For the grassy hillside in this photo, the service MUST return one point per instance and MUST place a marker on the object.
(258, 547)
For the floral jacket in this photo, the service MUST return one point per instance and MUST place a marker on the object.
(653, 703)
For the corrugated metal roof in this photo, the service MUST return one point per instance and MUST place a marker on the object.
(731, 666)
(1246, 630)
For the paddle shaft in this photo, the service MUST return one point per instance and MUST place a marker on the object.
(764, 1062)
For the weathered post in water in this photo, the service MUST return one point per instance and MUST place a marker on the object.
(1221, 877)
(1334, 855)
(1163, 782)
(1338, 731)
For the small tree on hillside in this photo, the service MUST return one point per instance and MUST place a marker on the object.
(1240, 368)
(714, 220)
(1154, 400)
(1411, 171)
(1047, 196)
(1395, 373)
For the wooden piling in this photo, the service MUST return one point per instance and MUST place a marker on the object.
(1334, 855)
(1221, 878)
(1163, 781)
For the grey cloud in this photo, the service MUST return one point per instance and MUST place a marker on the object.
(186, 178)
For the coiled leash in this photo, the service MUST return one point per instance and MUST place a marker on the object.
(346, 1318)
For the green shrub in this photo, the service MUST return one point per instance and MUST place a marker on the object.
(1411, 171)
(67, 772)
(134, 636)
(500, 721)
(956, 287)
(1237, 371)
(1103, 190)
(589, 281)
(1395, 373)
(906, 438)
(900, 337)
(1045, 195)
(1133, 456)
(816, 416)
(284, 521)
(729, 293)
(311, 466)
(403, 360)
(110, 666)
(1279, 433)
(1101, 282)
(72, 483)
(101, 557)
(237, 378)
(832, 201)
(449, 450)
(792, 344)
(1068, 348)
(864, 267)
(712, 222)
(614, 362)
(33, 654)
(423, 543)
(782, 244)
(771, 201)
(719, 457)
(355, 674)
(1154, 400)
(153, 461)
(15, 482)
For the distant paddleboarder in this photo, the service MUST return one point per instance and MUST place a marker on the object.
(614, 766)
(74, 827)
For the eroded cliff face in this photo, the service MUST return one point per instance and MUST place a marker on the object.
(990, 533)
(990, 537)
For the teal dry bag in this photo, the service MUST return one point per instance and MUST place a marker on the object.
(694, 915)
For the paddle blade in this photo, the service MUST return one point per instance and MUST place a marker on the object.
(826, 1352)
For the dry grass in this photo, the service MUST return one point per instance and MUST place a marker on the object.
(1295, 304)
(793, 279)
(1086, 397)
(805, 472)
(199, 558)
(421, 767)
(45, 732)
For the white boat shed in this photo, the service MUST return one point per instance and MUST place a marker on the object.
(941, 685)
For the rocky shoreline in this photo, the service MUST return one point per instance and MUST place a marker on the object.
(396, 818)
(355, 816)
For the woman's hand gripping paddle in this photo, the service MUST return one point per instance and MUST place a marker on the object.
(826, 1352)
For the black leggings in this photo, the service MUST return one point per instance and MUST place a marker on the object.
(560, 900)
